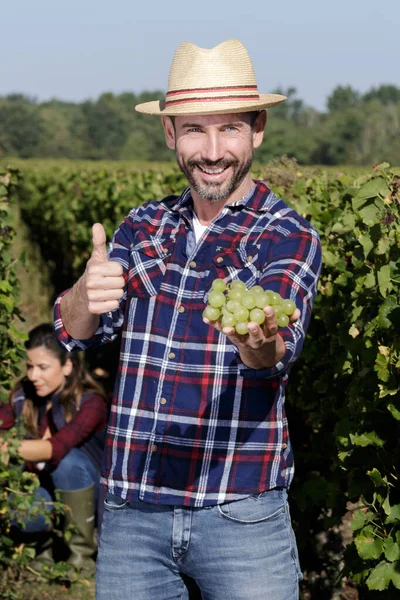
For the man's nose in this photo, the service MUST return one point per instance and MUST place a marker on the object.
(213, 150)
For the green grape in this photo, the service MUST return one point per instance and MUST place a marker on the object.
(228, 320)
(277, 310)
(283, 320)
(241, 328)
(256, 290)
(216, 299)
(241, 313)
(288, 307)
(235, 294)
(262, 300)
(248, 300)
(218, 285)
(211, 313)
(236, 284)
(232, 305)
(274, 298)
(257, 315)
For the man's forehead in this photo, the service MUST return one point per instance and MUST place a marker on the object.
(212, 119)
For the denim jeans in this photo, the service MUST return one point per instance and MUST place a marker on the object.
(75, 471)
(244, 550)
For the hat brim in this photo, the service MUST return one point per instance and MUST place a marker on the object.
(205, 107)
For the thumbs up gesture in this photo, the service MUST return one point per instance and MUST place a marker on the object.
(104, 278)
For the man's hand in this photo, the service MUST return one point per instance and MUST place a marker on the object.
(95, 293)
(104, 279)
(263, 347)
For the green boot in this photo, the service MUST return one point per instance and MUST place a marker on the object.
(82, 546)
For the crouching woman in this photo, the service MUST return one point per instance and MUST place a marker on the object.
(64, 412)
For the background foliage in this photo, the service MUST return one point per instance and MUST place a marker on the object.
(358, 129)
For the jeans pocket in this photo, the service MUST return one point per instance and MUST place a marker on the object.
(112, 502)
(255, 509)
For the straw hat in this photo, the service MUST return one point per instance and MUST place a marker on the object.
(216, 81)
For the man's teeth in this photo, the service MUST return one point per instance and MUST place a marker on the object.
(212, 171)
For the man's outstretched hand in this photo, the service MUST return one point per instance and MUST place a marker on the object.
(263, 346)
(104, 278)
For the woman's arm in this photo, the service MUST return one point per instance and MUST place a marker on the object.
(91, 417)
(35, 450)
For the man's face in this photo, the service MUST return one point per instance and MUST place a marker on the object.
(215, 152)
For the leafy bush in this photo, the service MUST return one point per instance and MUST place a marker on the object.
(17, 486)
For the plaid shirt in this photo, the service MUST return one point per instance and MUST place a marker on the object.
(190, 424)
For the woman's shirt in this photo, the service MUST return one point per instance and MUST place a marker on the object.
(85, 430)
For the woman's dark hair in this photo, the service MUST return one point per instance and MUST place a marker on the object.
(78, 382)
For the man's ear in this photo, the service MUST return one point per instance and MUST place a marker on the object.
(258, 128)
(169, 132)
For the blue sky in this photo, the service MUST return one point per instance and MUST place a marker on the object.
(78, 49)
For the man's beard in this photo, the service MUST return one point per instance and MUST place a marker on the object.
(215, 191)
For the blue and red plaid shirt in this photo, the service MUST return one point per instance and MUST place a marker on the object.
(190, 424)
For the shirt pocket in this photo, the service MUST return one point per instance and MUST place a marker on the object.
(148, 262)
(235, 263)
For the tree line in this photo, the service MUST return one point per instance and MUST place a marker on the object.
(356, 129)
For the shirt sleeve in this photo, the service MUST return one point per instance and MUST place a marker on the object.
(292, 270)
(111, 322)
(91, 417)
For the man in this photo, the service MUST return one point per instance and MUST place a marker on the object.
(198, 459)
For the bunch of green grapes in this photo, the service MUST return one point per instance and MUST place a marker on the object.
(235, 306)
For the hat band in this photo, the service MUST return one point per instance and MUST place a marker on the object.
(244, 92)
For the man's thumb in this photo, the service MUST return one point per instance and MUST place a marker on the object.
(99, 242)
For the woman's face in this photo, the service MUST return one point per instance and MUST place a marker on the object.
(46, 372)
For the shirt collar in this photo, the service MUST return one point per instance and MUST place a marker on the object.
(259, 199)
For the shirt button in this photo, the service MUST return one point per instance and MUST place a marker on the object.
(171, 355)
(284, 446)
(181, 309)
(220, 259)
(154, 448)
(249, 258)
(165, 250)
(192, 264)
(163, 401)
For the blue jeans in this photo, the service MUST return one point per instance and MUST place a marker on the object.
(244, 550)
(75, 471)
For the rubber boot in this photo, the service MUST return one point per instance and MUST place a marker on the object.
(81, 544)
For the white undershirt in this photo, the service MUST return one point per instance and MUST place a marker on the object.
(199, 229)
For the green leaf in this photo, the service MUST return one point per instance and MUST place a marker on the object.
(370, 438)
(370, 280)
(393, 411)
(368, 547)
(392, 549)
(366, 243)
(384, 280)
(394, 514)
(358, 521)
(384, 245)
(369, 214)
(371, 189)
(380, 577)
(377, 478)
